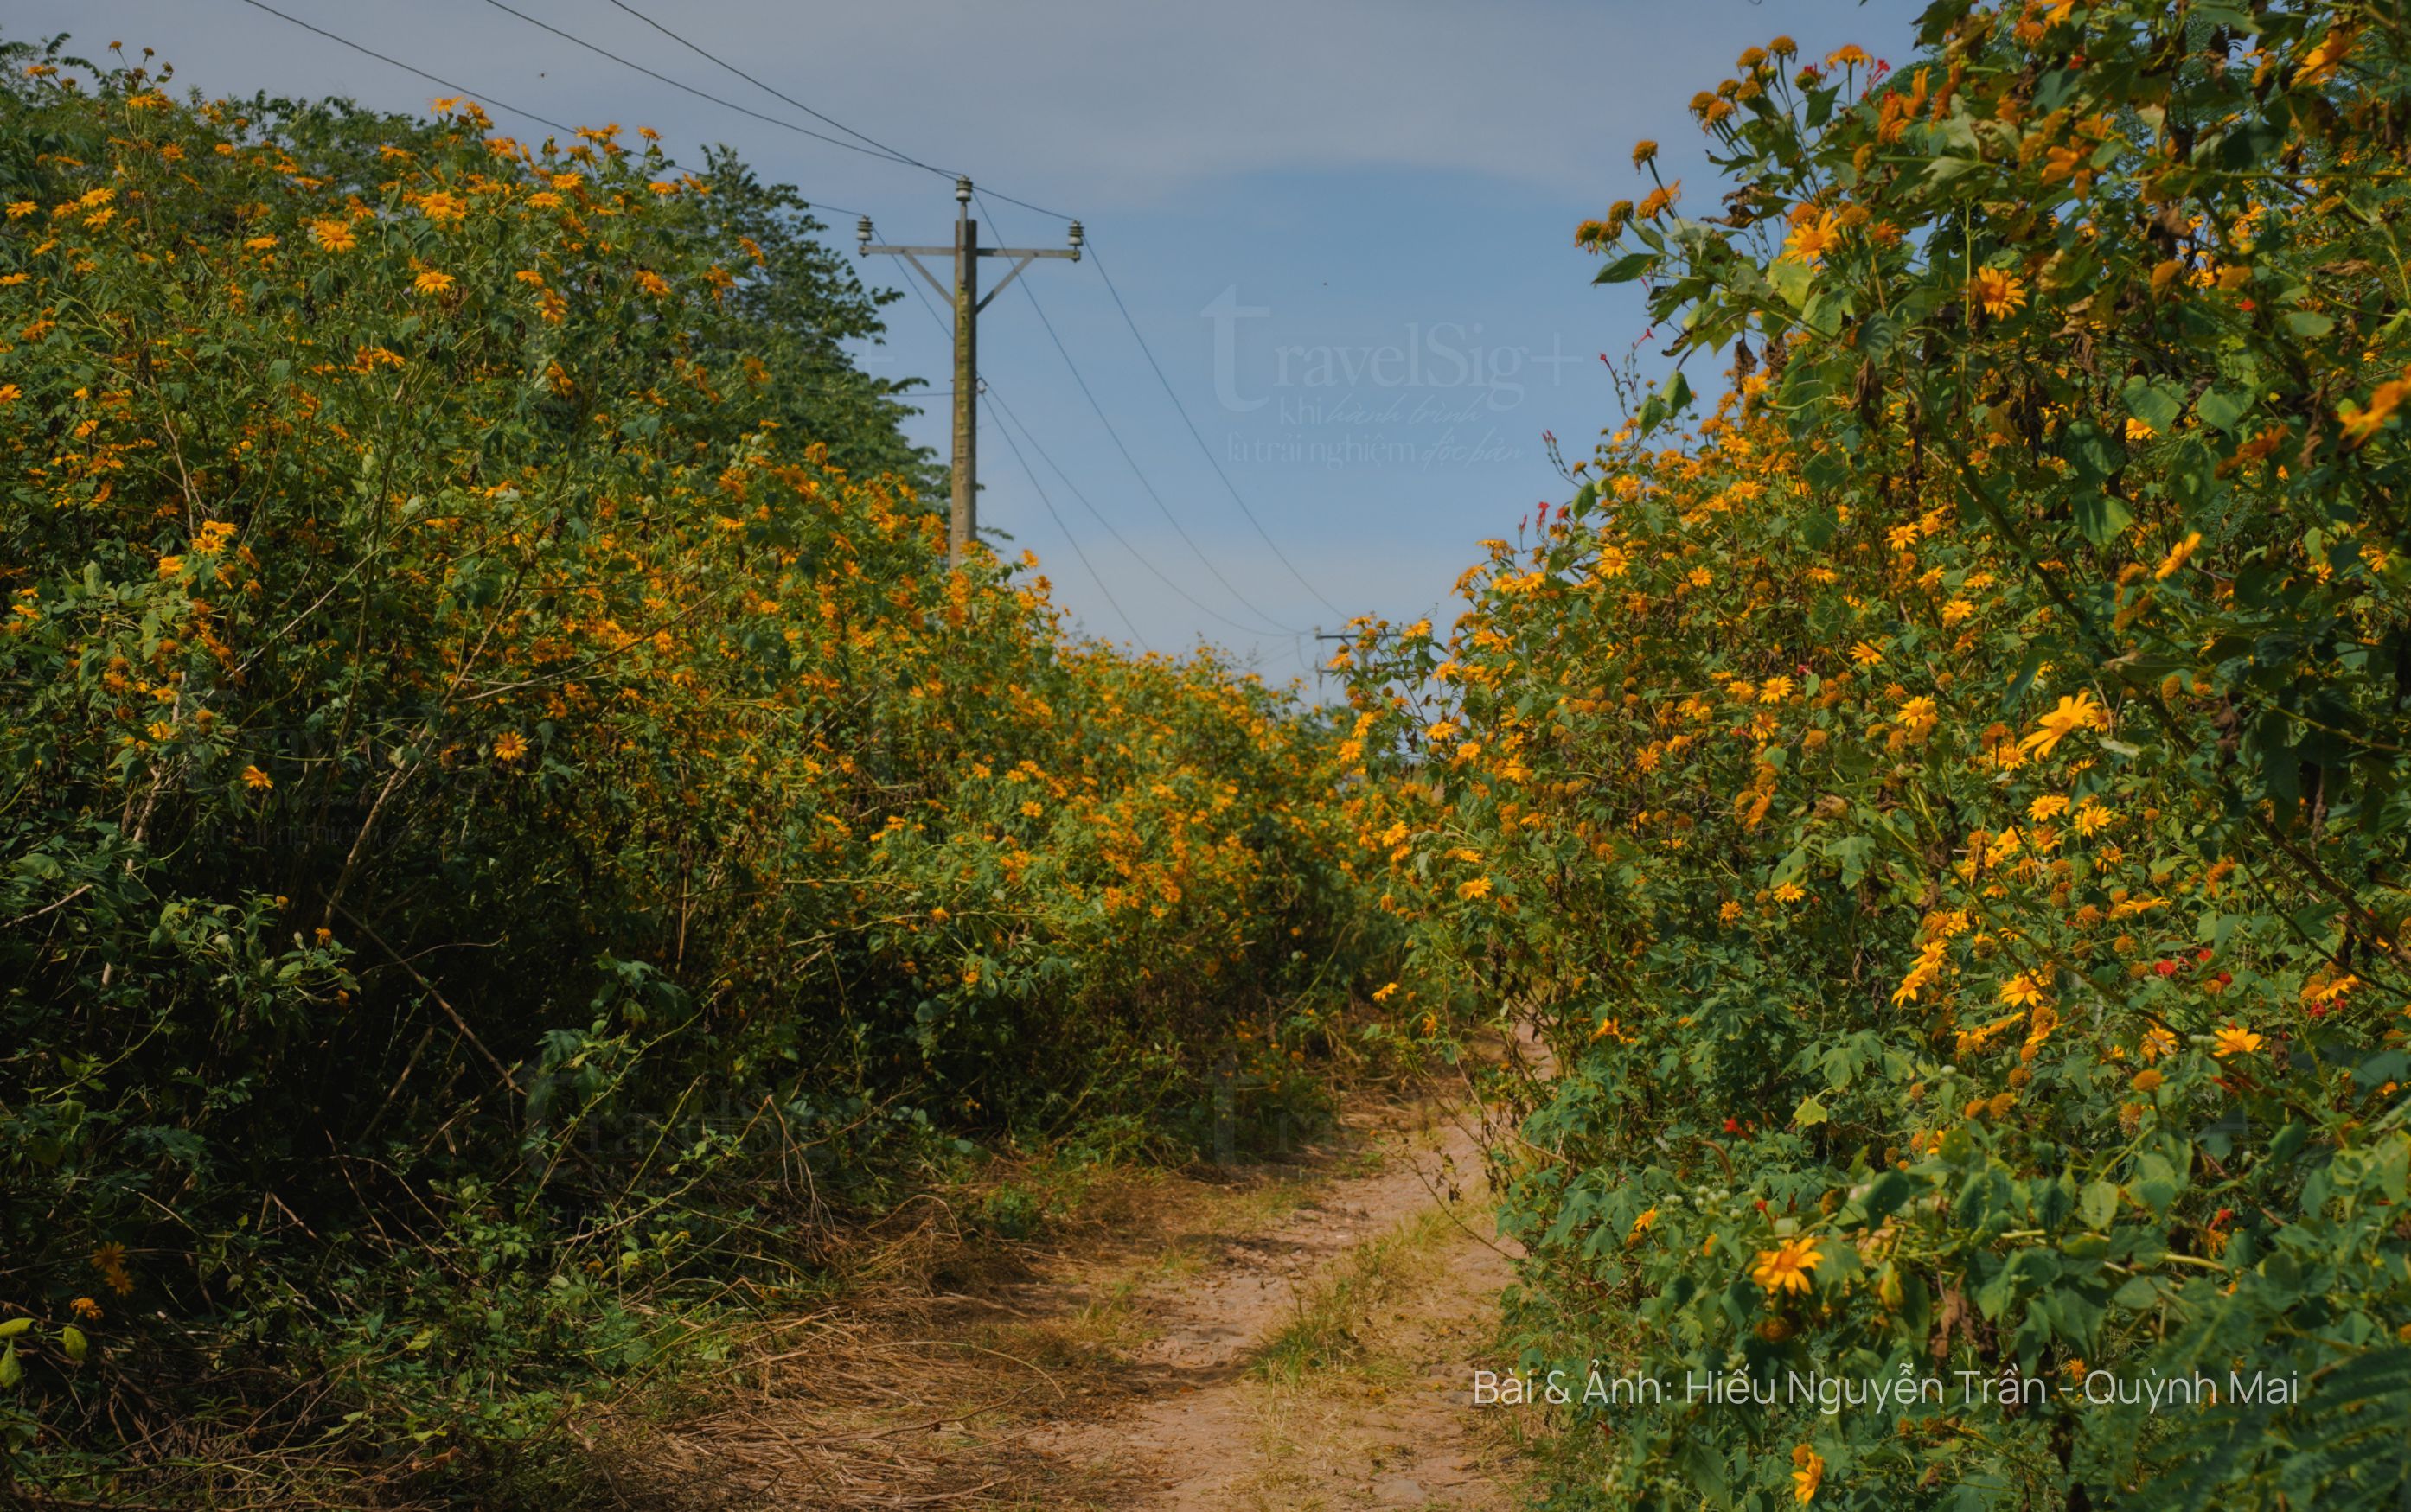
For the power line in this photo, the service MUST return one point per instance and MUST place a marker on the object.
(997, 403)
(1195, 435)
(564, 129)
(894, 153)
(432, 78)
(879, 150)
(1140, 474)
(699, 94)
(884, 149)
(1140, 557)
(1068, 538)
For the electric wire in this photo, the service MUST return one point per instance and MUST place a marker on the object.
(1197, 436)
(700, 93)
(872, 147)
(1145, 485)
(1101, 518)
(1071, 540)
(442, 82)
(775, 93)
(988, 392)
(436, 80)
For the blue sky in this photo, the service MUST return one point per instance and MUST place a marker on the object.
(1366, 207)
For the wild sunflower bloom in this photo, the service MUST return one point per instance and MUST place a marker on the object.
(1643, 152)
(2157, 1042)
(2235, 1040)
(1807, 1474)
(1811, 239)
(2025, 990)
(2075, 712)
(2175, 560)
(333, 235)
(1999, 293)
(1786, 1266)
(110, 1260)
(510, 746)
(430, 283)
(257, 781)
(1789, 893)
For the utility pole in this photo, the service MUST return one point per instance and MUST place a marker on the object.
(967, 252)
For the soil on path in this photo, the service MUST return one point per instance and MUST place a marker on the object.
(1283, 1337)
(1324, 1359)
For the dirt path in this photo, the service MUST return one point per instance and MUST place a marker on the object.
(1281, 1338)
(1323, 1359)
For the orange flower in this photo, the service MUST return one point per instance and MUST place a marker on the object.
(2073, 714)
(1999, 293)
(2234, 1040)
(1786, 1266)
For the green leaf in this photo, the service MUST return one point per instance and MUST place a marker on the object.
(1889, 1191)
(2304, 323)
(2103, 517)
(71, 1338)
(1809, 1113)
(2100, 1204)
(2222, 407)
(1793, 280)
(1626, 268)
(2155, 405)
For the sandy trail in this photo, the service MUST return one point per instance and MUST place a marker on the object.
(1205, 1423)
(1285, 1337)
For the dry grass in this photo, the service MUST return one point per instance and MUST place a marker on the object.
(919, 1389)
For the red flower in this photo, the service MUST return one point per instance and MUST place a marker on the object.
(1733, 1125)
(2166, 969)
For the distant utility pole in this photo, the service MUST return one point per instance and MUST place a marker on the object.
(967, 252)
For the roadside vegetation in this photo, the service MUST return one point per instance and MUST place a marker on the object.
(515, 844)
(1942, 798)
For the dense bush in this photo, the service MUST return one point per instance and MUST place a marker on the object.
(1948, 814)
(507, 810)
